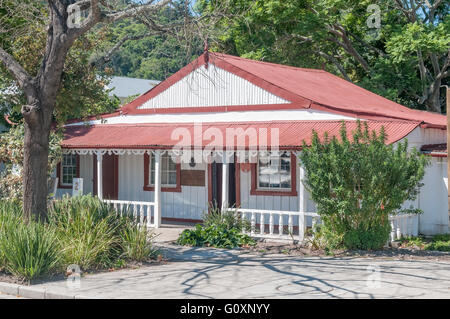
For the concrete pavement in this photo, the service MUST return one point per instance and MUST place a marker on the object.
(215, 273)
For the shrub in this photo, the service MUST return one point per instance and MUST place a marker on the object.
(10, 217)
(86, 230)
(229, 219)
(219, 230)
(92, 235)
(30, 251)
(80, 230)
(136, 242)
(358, 183)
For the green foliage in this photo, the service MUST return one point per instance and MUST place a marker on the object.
(27, 251)
(154, 57)
(308, 33)
(81, 230)
(229, 219)
(137, 242)
(221, 230)
(214, 236)
(91, 235)
(82, 90)
(437, 243)
(372, 238)
(87, 231)
(11, 154)
(357, 183)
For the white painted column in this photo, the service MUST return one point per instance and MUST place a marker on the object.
(100, 175)
(157, 189)
(224, 182)
(303, 197)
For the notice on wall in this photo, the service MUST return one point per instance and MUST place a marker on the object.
(77, 188)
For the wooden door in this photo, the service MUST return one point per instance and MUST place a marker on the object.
(110, 176)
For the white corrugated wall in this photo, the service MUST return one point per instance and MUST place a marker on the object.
(212, 87)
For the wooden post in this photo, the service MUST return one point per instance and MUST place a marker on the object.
(100, 175)
(224, 182)
(157, 189)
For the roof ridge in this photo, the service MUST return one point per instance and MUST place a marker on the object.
(219, 54)
(245, 123)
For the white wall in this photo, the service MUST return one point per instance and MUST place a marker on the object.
(433, 199)
(189, 204)
(212, 87)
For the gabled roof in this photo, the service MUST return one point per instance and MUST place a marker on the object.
(304, 88)
(124, 87)
(291, 133)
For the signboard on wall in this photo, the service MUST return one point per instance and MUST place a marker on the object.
(77, 188)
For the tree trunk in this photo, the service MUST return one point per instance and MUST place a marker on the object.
(35, 169)
(37, 118)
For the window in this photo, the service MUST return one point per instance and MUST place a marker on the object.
(170, 173)
(274, 172)
(68, 170)
(274, 175)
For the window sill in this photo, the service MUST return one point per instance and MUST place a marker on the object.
(65, 186)
(176, 189)
(260, 192)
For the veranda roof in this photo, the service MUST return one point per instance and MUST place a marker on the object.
(162, 135)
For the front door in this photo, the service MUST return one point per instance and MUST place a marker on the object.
(216, 185)
(110, 176)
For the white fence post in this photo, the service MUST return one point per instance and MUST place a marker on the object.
(100, 175)
(302, 196)
(157, 190)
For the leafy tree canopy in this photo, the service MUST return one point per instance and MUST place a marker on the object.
(404, 58)
(82, 91)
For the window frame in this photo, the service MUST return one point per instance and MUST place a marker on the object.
(59, 170)
(164, 188)
(256, 190)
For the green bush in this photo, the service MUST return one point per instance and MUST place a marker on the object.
(358, 182)
(136, 242)
(87, 231)
(367, 239)
(80, 230)
(439, 242)
(30, 251)
(229, 219)
(91, 234)
(219, 230)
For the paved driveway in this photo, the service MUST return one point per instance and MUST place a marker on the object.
(210, 273)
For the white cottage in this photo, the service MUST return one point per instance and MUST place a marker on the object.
(228, 130)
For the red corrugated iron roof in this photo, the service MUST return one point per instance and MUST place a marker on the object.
(291, 133)
(305, 88)
(435, 150)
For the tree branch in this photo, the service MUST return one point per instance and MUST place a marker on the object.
(18, 72)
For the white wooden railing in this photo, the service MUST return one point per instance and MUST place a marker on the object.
(288, 225)
(274, 224)
(404, 225)
(141, 212)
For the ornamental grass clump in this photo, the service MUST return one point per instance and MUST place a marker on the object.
(358, 182)
(136, 242)
(93, 236)
(80, 230)
(87, 231)
(28, 251)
